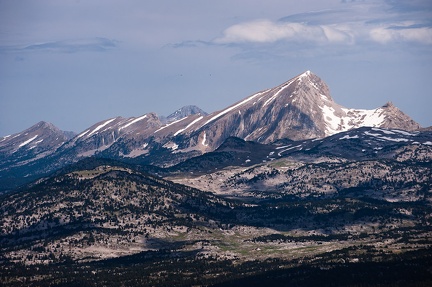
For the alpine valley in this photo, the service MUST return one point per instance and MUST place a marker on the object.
(283, 188)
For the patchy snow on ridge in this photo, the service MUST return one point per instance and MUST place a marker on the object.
(305, 74)
(132, 122)
(28, 141)
(233, 107)
(383, 137)
(277, 93)
(383, 131)
(290, 148)
(395, 139)
(171, 145)
(5, 137)
(347, 137)
(100, 126)
(369, 118)
(82, 134)
(405, 133)
(351, 119)
(167, 125)
(189, 125)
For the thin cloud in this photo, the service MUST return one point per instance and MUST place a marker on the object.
(384, 35)
(97, 44)
(266, 31)
(353, 22)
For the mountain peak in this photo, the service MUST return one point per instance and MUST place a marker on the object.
(184, 112)
(39, 138)
(305, 74)
(395, 118)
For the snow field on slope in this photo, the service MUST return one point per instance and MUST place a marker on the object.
(353, 119)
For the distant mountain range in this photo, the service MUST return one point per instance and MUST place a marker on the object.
(299, 109)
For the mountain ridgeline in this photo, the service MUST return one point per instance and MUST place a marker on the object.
(299, 109)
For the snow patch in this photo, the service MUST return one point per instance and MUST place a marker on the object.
(277, 93)
(28, 141)
(405, 133)
(297, 146)
(428, 143)
(305, 74)
(167, 125)
(347, 137)
(132, 122)
(233, 107)
(381, 137)
(100, 126)
(5, 138)
(383, 131)
(372, 134)
(351, 119)
(82, 134)
(171, 145)
(281, 147)
(395, 139)
(189, 125)
(332, 121)
(204, 139)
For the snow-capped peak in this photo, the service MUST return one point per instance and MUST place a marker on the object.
(305, 74)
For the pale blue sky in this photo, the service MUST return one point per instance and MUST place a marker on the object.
(74, 63)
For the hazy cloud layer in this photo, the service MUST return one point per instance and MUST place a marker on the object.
(365, 22)
(266, 31)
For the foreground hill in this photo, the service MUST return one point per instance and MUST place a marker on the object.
(104, 223)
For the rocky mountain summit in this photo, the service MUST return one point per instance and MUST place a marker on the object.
(301, 108)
